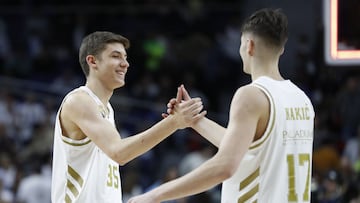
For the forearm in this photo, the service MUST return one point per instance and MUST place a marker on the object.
(133, 146)
(208, 175)
(210, 130)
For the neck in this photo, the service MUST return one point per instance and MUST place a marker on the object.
(100, 90)
(268, 68)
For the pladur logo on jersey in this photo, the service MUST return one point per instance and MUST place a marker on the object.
(297, 136)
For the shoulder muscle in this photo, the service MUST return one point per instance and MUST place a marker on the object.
(249, 100)
(78, 111)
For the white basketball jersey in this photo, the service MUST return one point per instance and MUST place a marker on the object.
(82, 173)
(277, 167)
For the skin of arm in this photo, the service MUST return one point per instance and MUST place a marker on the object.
(80, 117)
(247, 107)
(210, 130)
(207, 128)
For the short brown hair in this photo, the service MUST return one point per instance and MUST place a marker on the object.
(269, 24)
(95, 43)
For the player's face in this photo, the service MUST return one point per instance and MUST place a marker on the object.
(113, 65)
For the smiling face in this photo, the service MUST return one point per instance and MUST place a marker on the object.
(110, 66)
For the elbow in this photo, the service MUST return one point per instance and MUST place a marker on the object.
(222, 174)
(229, 168)
(119, 156)
(227, 172)
(121, 160)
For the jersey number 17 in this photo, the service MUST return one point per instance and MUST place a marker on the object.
(292, 165)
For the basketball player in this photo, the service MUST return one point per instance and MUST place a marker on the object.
(87, 147)
(264, 154)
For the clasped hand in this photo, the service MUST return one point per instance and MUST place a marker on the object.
(187, 110)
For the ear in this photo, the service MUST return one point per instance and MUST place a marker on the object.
(250, 47)
(91, 61)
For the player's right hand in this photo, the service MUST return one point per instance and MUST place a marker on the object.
(182, 95)
(186, 109)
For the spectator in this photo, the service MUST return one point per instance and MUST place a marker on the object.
(6, 196)
(348, 102)
(35, 188)
(332, 190)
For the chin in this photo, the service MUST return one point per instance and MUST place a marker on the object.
(120, 84)
(245, 70)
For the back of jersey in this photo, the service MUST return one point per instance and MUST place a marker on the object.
(277, 167)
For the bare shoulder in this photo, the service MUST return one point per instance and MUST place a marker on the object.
(77, 102)
(77, 109)
(251, 97)
(252, 105)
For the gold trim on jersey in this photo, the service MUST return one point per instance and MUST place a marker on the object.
(249, 194)
(75, 144)
(71, 186)
(245, 183)
(67, 199)
(272, 118)
(249, 179)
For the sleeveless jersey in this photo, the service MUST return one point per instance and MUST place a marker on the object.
(277, 167)
(81, 171)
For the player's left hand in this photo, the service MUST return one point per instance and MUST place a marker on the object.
(144, 198)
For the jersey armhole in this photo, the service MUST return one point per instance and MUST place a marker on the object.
(65, 139)
(256, 144)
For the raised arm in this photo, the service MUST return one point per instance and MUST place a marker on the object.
(206, 127)
(247, 107)
(80, 118)
(210, 130)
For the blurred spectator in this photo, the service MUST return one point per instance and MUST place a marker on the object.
(348, 106)
(326, 157)
(351, 154)
(352, 191)
(8, 107)
(194, 159)
(40, 144)
(65, 81)
(6, 196)
(36, 187)
(8, 171)
(30, 112)
(166, 174)
(229, 40)
(331, 189)
(6, 144)
(321, 131)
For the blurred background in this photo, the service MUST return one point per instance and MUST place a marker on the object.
(190, 42)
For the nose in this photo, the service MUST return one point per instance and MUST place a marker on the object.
(125, 64)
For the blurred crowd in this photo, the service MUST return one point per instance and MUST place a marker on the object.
(182, 42)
